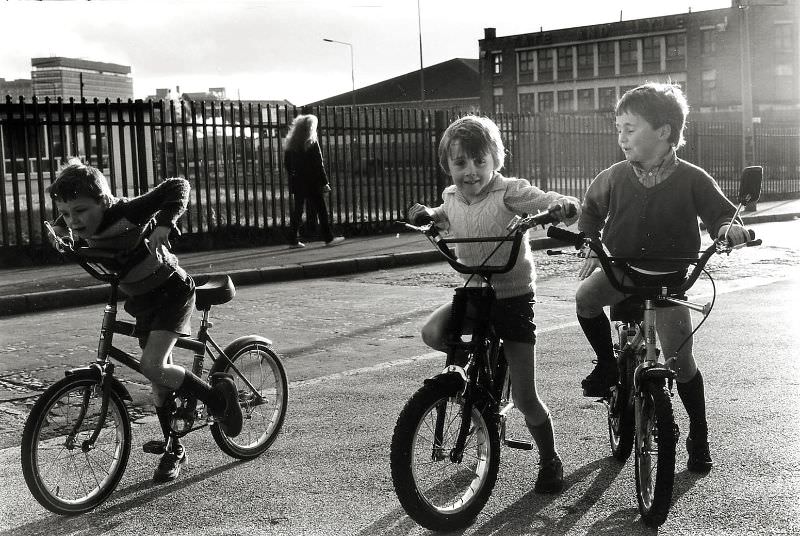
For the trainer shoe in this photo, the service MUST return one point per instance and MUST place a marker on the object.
(601, 379)
(551, 476)
(335, 241)
(230, 419)
(170, 465)
(296, 245)
(699, 456)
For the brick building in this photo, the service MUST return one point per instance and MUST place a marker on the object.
(72, 77)
(588, 68)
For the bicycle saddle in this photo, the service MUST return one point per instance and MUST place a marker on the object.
(213, 290)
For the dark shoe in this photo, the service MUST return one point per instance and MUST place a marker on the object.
(551, 476)
(699, 456)
(336, 240)
(230, 418)
(170, 465)
(297, 245)
(600, 380)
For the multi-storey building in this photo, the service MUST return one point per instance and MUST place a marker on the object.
(16, 88)
(588, 68)
(72, 77)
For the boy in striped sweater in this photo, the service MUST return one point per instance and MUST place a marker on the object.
(479, 203)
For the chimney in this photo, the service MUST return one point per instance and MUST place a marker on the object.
(489, 33)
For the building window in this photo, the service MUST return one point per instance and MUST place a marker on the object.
(585, 61)
(565, 99)
(605, 58)
(783, 37)
(785, 81)
(526, 60)
(709, 87)
(545, 64)
(497, 63)
(676, 51)
(585, 100)
(497, 104)
(628, 56)
(607, 98)
(651, 54)
(565, 63)
(708, 41)
(527, 103)
(546, 102)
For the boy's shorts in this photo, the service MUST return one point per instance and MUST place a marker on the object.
(166, 308)
(512, 318)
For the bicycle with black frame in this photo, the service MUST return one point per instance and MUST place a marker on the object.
(445, 451)
(639, 406)
(77, 438)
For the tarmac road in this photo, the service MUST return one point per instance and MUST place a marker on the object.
(354, 359)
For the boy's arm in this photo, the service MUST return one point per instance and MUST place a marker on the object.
(166, 203)
(595, 205)
(523, 198)
(714, 209)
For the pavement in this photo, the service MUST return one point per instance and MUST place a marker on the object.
(38, 288)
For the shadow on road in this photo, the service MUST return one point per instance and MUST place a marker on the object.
(104, 519)
(524, 514)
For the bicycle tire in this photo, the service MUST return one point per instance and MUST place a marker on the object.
(86, 476)
(655, 434)
(423, 494)
(263, 419)
(621, 412)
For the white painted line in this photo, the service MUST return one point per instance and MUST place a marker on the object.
(730, 286)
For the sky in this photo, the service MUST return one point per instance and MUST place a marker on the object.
(274, 49)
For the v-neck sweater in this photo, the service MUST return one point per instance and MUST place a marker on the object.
(659, 221)
(488, 215)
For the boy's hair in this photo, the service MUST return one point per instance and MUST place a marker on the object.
(77, 179)
(659, 104)
(477, 135)
(302, 132)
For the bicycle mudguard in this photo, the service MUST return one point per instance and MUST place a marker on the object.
(234, 346)
(93, 373)
(454, 379)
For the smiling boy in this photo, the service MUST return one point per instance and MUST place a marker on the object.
(647, 206)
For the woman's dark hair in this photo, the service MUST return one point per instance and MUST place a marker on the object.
(76, 179)
(659, 104)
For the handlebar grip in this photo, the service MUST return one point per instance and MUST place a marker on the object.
(576, 239)
(752, 243)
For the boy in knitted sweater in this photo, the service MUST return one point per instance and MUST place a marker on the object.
(480, 203)
(648, 206)
(160, 293)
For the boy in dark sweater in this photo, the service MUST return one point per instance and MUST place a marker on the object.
(648, 206)
(160, 293)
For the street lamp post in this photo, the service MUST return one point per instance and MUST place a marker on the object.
(352, 66)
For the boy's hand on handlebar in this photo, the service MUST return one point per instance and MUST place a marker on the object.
(58, 236)
(419, 214)
(736, 234)
(567, 209)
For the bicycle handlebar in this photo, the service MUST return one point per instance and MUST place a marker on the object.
(517, 228)
(578, 240)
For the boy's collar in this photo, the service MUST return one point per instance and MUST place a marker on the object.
(668, 160)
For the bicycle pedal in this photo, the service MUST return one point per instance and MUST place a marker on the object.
(516, 444)
(154, 447)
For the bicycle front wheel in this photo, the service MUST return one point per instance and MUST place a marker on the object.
(263, 395)
(620, 409)
(655, 453)
(66, 470)
(436, 488)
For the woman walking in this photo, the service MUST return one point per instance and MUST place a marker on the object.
(308, 181)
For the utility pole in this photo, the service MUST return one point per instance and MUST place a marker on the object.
(421, 70)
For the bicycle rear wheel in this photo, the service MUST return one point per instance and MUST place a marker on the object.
(263, 405)
(66, 472)
(655, 453)
(435, 490)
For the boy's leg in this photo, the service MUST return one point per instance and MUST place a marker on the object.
(222, 399)
(521, 357)
(436, 328)
(675, 327)
(592, 295)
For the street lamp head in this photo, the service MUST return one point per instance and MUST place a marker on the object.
(328, 40)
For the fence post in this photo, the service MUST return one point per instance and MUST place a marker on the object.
(440, 124)
(141, 146)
